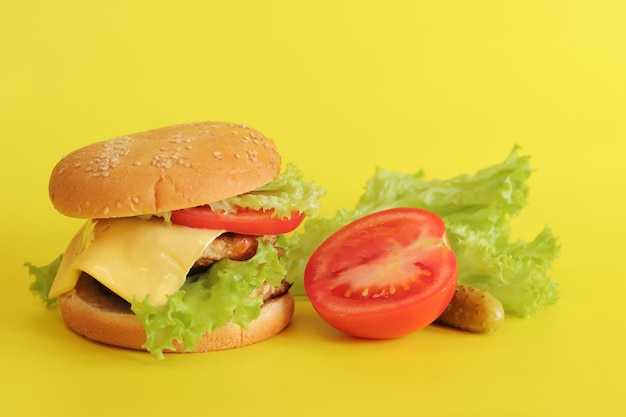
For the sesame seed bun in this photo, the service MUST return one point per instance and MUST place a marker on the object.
(164, 169)
(105, 318)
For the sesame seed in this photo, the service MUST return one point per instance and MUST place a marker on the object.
(137, 163)
(77, 165)
(118, 205)
(135, 200)
(176, 138)
(105, 211)
(105, 174)
(237, 156)
(109, 156)
(162, 161)
(217, 155)
(252, 155)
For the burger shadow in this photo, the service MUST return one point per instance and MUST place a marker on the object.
(56, 339)
(74, 351)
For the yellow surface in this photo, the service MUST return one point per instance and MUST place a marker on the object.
(342, 87)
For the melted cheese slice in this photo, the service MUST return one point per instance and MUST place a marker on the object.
(134, 258)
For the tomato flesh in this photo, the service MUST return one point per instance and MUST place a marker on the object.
(383, 276)
(245, 221)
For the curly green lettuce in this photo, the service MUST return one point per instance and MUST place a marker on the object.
(210, 300)
(477, 210)
(44, 277)
(285, 194)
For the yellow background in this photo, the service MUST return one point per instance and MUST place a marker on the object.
(342, 87)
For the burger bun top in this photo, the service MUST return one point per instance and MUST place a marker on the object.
(161, 170)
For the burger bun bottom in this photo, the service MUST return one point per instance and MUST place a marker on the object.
(102, 317)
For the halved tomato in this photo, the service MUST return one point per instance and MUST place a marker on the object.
(383, 276)
(245, 221)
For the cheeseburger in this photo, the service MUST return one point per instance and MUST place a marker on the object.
(183, 247)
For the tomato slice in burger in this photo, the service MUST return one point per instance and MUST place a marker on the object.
(383, 276)
(246, 221)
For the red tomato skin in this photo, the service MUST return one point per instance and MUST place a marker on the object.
(392, 324)
(248, 222)
(391, 316)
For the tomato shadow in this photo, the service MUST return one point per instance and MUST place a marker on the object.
(309, 326)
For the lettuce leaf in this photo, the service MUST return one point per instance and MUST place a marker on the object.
(44, 277)
(513, 272)
(288, 192)
(210, 300)
(477, 210)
